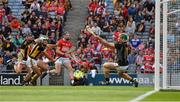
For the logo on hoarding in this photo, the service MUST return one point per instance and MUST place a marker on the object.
(10, 79)
(119, 81)
(143, 79)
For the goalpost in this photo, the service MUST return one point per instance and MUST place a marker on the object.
(167, 44)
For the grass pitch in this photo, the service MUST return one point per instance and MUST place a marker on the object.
(81, 94)
(166, 95)
(70, 93)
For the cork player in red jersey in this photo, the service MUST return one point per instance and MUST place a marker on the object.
(63, 52)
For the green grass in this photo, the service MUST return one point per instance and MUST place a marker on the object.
(70, 93)
(168, 96)
(82, 94)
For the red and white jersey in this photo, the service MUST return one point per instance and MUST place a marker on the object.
(64, 46)
(149, 51)
(149, 58)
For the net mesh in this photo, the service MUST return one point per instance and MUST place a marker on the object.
(173, 43)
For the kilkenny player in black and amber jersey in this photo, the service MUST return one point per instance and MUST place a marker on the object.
(121, 64)
(35, 57)
(22, 57)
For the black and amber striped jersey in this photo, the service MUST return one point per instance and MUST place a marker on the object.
(121, 53)
(26, 48)
(37, 49)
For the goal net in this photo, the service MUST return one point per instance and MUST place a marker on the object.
(167, 40)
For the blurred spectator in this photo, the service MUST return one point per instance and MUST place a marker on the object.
(15, 24)
(141, 27)
(7, 9)
(26, 30)
(100, 10)
(35, 31)
(106, 27)
(148, 62)
(10, 17)
(132, 10)
(149, 6)
(6, 57)
(6, 30)
(140, 61)
(135, 42)
(132, 57)
(9, 46)
(96, 29)
(35, 6)
(93, 5)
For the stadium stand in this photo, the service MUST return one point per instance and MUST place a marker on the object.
(22, 17)
(108, 18)
(113, 17)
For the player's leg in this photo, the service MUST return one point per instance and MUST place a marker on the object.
(36, 76)
(57, 69)
(42, 65)
(68, 65)
(121, 73)
(106, 70)
(39, 69)
(30, 73)
(34, 65)
(28, 76)
(36, 70)
(18, 67)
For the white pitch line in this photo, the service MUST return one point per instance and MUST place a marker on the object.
(137, 99)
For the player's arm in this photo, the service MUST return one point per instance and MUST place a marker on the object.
(72, 49)
(103, 41)
(59, 51)
(48, 56)
(51, 46)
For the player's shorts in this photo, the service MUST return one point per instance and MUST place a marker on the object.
(23, 62)
(123, 68)
(31, 62)
(45, 60)
(120, 68)
(62, 60)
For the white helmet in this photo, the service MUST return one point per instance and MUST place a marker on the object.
(42, 37)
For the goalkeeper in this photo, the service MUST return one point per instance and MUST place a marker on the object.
(121, 64)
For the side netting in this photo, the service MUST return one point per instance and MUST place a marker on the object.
(173, 44)
(170, 44)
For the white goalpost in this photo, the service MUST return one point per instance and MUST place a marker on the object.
(167, 44)
(167, 47)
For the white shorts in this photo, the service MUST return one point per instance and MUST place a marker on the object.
(21, 62)
(31, 62)
(62, 60)
(120, 68)
(123, 67)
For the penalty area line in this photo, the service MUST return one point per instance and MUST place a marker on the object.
(141, 97)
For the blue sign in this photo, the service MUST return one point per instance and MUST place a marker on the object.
(115, 80)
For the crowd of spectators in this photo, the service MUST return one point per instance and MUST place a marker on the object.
(40, 17)
(129, 17)
(47, 17)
